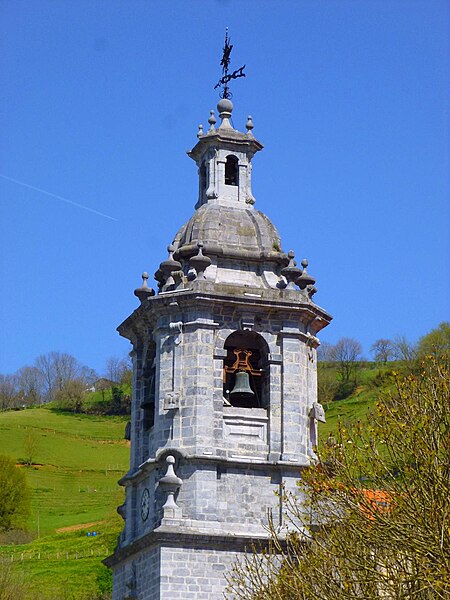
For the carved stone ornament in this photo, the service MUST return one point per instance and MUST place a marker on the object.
(145, 504)
(170, 484)
(317, 412)
(172, 400)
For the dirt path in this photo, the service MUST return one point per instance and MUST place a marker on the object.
(78, 527)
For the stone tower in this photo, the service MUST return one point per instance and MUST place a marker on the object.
(224, 385)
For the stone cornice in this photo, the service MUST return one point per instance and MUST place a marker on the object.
(226, 462)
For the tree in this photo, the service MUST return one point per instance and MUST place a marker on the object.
(347, 352)
(327, 385)
(376, 524)
(325, 352)
(30, 446)
(30, 384)
(116, 368)
(58, 368)
(8, 391)
(71, 396)
(15, 502)
(383, 350)
(436, 342)
(405, 350)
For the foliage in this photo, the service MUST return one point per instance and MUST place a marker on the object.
(71, 395)
(14, 495)
(327, 384)
(437, 342)
(12, 585)
(30, 446)
(376, 523)
(104, 580)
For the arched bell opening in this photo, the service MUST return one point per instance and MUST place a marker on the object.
(148, 396)
(202, 173)
(231, 170)
(245, 371)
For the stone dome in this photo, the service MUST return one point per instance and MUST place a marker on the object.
(229, 232)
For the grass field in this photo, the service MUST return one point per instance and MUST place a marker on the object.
(77, 461)
(76, 464)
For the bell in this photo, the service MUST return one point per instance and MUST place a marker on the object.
(242, 385)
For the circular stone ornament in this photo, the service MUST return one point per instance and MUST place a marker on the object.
(145, 504)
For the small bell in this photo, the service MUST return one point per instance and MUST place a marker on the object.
(242, 385)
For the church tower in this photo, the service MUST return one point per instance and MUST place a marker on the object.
(224, 385)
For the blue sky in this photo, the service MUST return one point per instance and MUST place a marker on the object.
(101, 100)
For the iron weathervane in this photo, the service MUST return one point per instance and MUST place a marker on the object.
(225, 63)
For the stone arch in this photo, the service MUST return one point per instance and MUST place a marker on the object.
(231, 170)
(248, 352)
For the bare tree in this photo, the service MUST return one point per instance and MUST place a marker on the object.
(115, 368)
(59, 368)
(31, 385)
(404, 349)
(8, 391)
(325, 352)
(383, 350)
(347, 352)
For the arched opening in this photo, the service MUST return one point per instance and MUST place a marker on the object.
(202, 179)
(231, 170)
(245, 370)
(148, 398)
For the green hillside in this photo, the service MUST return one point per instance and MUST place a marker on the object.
(77, 461)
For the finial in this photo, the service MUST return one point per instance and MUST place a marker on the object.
(200, 262)
(225, 63)
(306, 281)
(200, 130)
(144, 291)
(249, 125)
(225, 108)
(212, 120)
(169, 267)
(170, 484)
(291, 272)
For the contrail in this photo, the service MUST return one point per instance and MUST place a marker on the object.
(32, 187)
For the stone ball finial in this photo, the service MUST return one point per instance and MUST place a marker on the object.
(225, 108)
(306, 279)
(200, 130)
(170, 460)
(249, 125)
(291, 272)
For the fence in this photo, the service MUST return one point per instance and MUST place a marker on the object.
(58, 555)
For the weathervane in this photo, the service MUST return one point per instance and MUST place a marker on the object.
(225, 63)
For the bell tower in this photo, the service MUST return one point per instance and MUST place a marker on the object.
(224, 399)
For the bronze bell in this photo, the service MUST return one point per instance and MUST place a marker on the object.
(242, 385)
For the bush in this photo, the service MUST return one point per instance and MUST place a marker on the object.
(344, 390)
(15, 500)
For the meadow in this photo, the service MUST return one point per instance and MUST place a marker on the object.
(76, 463)
(77, 460)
